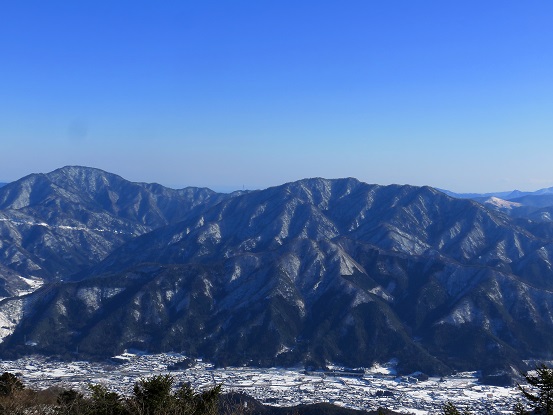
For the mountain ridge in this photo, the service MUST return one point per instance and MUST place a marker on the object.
(506, 195)
(55, 224)
(315, 270)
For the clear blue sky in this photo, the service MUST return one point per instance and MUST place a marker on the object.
(456, 94)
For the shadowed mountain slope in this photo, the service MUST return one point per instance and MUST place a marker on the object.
(312, 271)
(53, 225)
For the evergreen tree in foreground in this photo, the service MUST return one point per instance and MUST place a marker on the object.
(104, 402)
(153, 396)
(450, 409)
(542, 382)
(9, 383)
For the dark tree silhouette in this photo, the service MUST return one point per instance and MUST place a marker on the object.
(71, 402)
(519, 409)
(9, 383)
(450, 409)
(153, 394)
(542, 382)
(104, 402)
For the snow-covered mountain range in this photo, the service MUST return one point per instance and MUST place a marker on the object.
(508, 195)
(307, 272)
(537, 205)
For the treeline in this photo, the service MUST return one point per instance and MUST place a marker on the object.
(154, 395)
(151, 396)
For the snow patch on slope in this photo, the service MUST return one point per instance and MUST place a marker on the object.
(92, 297)
(290, 264)
(360, 298)
(212, 234)
(382, 293)
(33, 284)
(464, 313)
(60, 227)
(501, 203)
(348, 266)
(244, 265)
(11, 313)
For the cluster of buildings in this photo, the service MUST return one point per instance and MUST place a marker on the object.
(362, 389)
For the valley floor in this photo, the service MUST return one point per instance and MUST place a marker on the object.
(377, 387)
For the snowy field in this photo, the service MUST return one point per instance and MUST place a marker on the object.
(377, 387)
